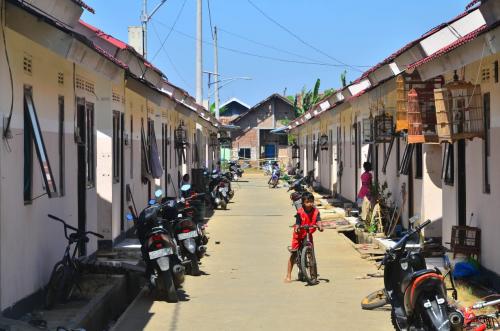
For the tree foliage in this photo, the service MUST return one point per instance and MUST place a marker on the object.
(309, 99)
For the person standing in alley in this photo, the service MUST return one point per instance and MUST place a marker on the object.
(366, 183)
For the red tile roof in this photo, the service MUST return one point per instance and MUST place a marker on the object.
(84, 6)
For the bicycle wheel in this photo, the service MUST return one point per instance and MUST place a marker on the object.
(55, 288)
(374, 300)
(308, 264)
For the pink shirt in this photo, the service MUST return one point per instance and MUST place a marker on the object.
(366, 183)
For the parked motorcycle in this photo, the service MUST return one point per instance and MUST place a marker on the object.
(220, 191)
(417, 294)
(159, 251)
(235, 170)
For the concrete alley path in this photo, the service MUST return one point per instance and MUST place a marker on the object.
(243, 288)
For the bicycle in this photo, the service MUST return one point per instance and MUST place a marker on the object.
(66, 273)
(481, 322)
(305, 257)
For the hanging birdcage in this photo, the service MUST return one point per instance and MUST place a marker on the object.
(459, 111)
(214, 140)
(383, 127)
(368, 132)
(421, 110)
(295, 150)
(401, 102)
(323, 142)
(180, 136)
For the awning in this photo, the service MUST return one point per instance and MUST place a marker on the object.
(282, 130)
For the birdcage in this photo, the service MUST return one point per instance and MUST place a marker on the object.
(459, 111)
(402, 99)
(384, 127)
(421, 111)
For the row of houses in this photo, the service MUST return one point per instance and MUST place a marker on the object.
(428, 119)
(89, 127)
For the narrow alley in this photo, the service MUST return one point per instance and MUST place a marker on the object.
(242, 286)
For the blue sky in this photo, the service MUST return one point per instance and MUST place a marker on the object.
(359, 33)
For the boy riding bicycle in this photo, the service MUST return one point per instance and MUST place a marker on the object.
(307, 215)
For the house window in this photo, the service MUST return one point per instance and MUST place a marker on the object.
(404, 168)
(448, 169)
(61, 147)
(116, 146)
(283, 140)
(418, 161)
(33, 134)
(244, 153)
(486, 144)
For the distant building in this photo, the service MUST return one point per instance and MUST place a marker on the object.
(254, 140)
(231, 109)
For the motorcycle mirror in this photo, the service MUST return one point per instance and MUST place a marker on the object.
(130, 217)
(152, 202)
(185, 187)
(414, 219)
(158, 193)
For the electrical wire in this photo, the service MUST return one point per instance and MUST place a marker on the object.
(272, 58)
(210, 20)
(300, 39)
(170, 32)
(7, 127)
(168, 56)
(269, 46)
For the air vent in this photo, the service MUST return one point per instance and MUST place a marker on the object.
(89, 87)
(485, 74)
(85, 85)
(80, 83)
(28, 64)
(60, 78)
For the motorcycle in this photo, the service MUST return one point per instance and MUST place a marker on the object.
(164, 269)
(235, 170)
(417, 294)
(220, 191)
(275, 177)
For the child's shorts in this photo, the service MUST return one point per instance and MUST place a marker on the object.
(296, 241)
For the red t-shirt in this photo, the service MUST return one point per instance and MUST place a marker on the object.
(366, 183)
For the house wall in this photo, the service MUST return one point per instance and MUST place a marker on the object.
(484, 206)
(25, 230)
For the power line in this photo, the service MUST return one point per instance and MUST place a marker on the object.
(271, 58)
(270, 46)
(299, 38)
(170, 32)
(210, 19)
(169, 58)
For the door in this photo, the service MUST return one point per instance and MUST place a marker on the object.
(82, 135)
(357, 153)
(122, 170)
(270, 151)
(461, 189)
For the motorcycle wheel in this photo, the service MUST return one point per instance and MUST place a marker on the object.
(223, 204)
(394, 320)
(275, 183)
(308, 264)
(231, 194)
(165, 284)
(195, 268)
(374, 300)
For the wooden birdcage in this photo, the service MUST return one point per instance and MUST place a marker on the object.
(421, 111)
(402, 99)
(384, 127)
(459, 111)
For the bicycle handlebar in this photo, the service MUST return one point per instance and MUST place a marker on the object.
(67, 226)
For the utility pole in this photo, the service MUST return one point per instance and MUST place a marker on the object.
(144, 23)
(199, 54)
(216, 74)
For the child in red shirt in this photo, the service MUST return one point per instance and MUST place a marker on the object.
(307, 215)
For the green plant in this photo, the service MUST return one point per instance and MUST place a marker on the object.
(380, 193)
(309, 99)
(343, 78)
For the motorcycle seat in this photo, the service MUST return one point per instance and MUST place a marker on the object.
(409, 279)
